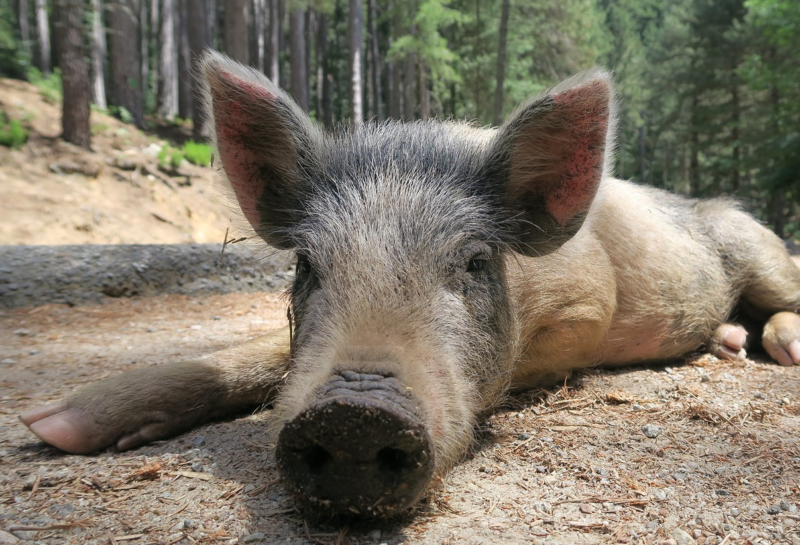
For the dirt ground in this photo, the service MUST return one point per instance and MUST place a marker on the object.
(696, 452)
(571, 464)
(54, 193)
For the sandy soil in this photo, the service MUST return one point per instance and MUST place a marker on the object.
(571, 464)
(102, 201)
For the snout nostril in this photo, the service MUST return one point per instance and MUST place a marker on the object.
(393, 460)
(316, 458)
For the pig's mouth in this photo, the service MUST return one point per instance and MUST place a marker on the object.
(361, 448)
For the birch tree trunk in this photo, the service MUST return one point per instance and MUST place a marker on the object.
(43, 32)
(356, 63)
(98, 55)
(168, 61)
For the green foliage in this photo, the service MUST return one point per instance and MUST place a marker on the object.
(170, 156)
(12, 134)
(14, 59)
(49, 86)
(197, 153)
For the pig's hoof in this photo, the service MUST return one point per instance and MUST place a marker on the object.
(360, 449)
(782, 338)
(729, 342)
(76, 431)
(67, 428)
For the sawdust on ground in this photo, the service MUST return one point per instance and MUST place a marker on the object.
(570, 464)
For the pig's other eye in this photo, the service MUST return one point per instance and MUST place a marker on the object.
(477, 264)
(303, 268)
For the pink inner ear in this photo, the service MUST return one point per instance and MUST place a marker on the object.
(586, 110)
(233, 119)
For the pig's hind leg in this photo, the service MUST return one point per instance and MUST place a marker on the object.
(757, 262)
(145, 405)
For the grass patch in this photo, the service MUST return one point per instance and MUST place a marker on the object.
(49, 86)
(170, 156)
(197, 153)
(12, 133)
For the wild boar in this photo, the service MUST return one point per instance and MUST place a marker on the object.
(438, 267)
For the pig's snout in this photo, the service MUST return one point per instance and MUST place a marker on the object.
(360, 448)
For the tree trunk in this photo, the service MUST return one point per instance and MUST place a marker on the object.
(185, 98)
(735, 135)
(155, 7)
(236, 39)
(168, 61)
(98, 55)
(409, 96)
(258, 27)
(199, 40)
(694, 153)
(501, 65)
(125, 71)
(274, 70)
(24, 26)
(68, 18)
(297, 57)
(43, 32)
(321, 29)
(356, 63)
(424, 94)
(376, 61)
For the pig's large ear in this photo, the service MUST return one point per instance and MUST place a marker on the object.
(265, 141)
(548, 159)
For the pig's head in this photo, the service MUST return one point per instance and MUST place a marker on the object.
(404, 327)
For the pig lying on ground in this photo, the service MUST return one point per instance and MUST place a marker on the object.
(439, 266)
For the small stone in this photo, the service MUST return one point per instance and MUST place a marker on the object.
(197, 327)
(199, 441)
(252, 538)
(524, 436)
(22, 332)
(735, 511)
(681, 537)
(637, 407)
(8, 539)
(774, 510)
(651, 430)
(7, 361)
(197, 467)
(586, 508)
(249, 488)
(679, 476)
(652, 526)
(759, 395)
(705, 378)
(785, 506)
(722, 493)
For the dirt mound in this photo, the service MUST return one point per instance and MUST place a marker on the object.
(54, 193)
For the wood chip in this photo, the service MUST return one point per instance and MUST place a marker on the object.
(192, 475)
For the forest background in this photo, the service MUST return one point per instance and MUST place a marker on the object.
(710, 89)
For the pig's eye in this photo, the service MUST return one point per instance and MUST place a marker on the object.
(476, 264)
(303, 268)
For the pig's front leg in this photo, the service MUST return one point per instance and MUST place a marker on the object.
(145, 405)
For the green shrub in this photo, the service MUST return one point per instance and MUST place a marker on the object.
(49, 86)
(171, 156)
(12, 134)
(197, 153)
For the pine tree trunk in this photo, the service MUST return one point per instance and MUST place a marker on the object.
(297, 57)
(168, 60)
(199, 40)
(409, 80)
(236, 35)
(155, 8)
(376, 61)
(43, 32)
(144, 50)
(185, 98)
(735, 136)
(356, 63)
(694, 153)
(98, 55)
(125, 70)
(68, 16)
(501, 65)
